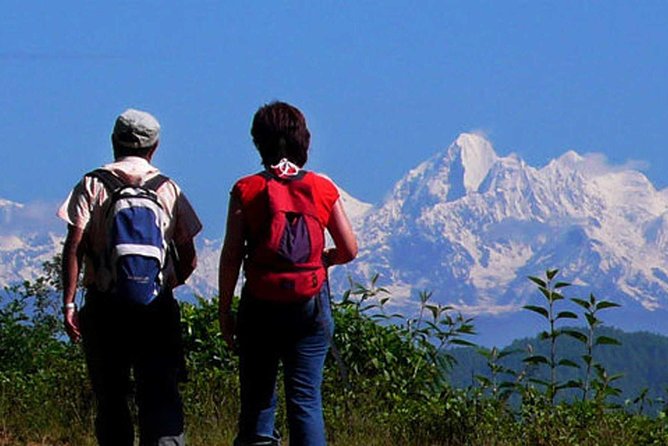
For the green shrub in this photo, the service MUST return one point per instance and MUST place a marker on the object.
(388, 385)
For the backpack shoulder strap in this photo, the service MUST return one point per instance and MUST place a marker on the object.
(110, 181)
(155, 182)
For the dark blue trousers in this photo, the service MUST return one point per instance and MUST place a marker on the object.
(297, 335)
(143, 340)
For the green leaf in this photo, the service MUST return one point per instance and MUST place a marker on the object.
(615, 377)
(642, 395)
(566, 315)
(433, 309)
(505, 353)
(571, 384)
(606, 340)
(467, 329)
(538, 281)
(425, 296)
(613, 391)
(606, 304)
(462, 342)
(561, 285)
(592, 320)
(369, 307)
(569, 363)
(583, 303)
(551, 273)
(546, 292)
(576, 335)
(536, 309)
(536, 359)
(557, 296)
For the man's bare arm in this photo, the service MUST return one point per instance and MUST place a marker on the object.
(70, 274)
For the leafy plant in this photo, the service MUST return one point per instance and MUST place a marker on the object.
(549, 290)
(499, 389)
(589, 339)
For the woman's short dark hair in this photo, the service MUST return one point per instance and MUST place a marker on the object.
(279, 131)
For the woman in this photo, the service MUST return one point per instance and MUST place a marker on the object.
(275, 227)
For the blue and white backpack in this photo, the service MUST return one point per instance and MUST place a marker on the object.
(136, 249)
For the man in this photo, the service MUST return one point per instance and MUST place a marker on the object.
(118, 336)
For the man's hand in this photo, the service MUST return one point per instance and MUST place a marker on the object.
(228, 329)
(72, 324)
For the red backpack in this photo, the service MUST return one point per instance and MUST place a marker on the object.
(284, 260)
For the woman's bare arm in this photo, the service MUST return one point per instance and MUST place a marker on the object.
(231, 258)
(345, 242)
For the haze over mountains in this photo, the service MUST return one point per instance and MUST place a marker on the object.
(470, 226)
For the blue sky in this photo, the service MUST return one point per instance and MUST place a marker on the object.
(384, 85)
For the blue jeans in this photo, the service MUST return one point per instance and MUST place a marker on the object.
(298, 335)
(146, 340)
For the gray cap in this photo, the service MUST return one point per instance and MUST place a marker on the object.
(136, 129)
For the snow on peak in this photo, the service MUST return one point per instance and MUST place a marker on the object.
(11, 243)
(470, 225)
(569, 161)
(355, 209)
(570, 158)
(477, 157)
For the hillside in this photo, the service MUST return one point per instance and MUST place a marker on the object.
(640, 358)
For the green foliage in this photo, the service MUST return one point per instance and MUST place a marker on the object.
(595, 374)
(637, 359)
(203, 344)
(400, 356)
(549, 290)
(43, 384)
(395, 388)
(590, 339)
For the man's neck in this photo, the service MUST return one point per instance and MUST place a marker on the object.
(132, 157)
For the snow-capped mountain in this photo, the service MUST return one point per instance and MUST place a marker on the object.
(470, 225)
(28, 237)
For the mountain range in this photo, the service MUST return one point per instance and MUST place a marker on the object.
(470, 226)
